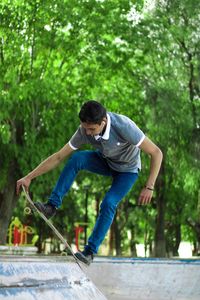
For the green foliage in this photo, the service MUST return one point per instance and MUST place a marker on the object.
(56, 54)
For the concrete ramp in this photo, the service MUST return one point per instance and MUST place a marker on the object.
(147, 279)
(59, 278)
(44, 279)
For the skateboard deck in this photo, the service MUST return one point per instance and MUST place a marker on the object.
(33, 208)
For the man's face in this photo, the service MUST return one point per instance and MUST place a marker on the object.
(93, 129)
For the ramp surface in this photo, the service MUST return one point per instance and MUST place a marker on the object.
(44, 279)
(58, 278)
(147, 279)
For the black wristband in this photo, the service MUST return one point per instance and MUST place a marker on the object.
(148, 188)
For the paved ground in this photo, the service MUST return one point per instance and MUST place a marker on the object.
(147, 279)
(58, 278)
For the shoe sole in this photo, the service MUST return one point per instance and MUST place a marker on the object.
(40, 208)
(83, 259)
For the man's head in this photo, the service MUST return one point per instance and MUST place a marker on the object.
(93, 117)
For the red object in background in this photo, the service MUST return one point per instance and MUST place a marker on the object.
(16, 236)
(78, 230)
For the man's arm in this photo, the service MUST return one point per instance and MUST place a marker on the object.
(45, 166)
(156, 159)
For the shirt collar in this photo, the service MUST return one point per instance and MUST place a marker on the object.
(106, 134)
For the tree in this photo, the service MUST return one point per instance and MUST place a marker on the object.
(141, 63)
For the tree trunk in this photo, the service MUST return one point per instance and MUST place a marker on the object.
(97, 200)
(111, 239)
(195, 225)
(133, 243)
(117, 237)
(8, 201)
(178, 239)
(160, 243)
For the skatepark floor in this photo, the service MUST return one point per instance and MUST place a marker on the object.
(60, 278)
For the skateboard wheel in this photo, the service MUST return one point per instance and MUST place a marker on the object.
(27, 211)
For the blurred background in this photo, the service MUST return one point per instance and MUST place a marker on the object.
(138, 58)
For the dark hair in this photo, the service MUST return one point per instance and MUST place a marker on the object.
(92, 112)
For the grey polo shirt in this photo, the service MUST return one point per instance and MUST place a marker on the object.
(118, 145)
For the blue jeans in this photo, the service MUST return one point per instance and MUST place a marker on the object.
(94, 162)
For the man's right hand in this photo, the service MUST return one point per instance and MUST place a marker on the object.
(25, 181)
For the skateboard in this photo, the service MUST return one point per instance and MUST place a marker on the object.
(31, 208)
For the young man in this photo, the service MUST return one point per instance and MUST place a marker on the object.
(117, 141)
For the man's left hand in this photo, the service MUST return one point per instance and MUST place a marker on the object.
(145, 196)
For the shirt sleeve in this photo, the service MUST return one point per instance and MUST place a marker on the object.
(77, 139)
(131, 132)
